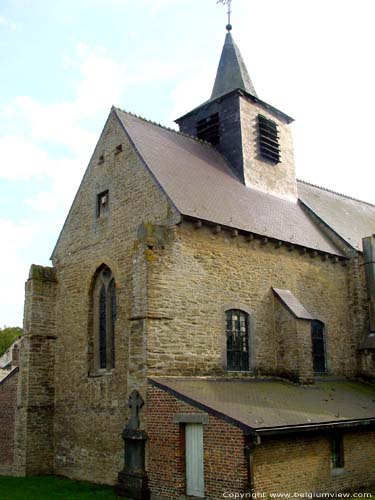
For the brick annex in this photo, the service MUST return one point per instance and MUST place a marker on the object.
(207, 301)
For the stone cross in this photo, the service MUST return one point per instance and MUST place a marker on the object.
(135, 403)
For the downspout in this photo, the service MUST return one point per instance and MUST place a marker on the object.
(252, 441)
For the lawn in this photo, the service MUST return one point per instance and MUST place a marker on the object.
(52, 488)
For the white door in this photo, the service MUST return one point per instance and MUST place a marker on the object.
(194, 460)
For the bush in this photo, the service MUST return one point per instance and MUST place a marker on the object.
(8, 335)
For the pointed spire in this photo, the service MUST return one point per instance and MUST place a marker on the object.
(232, 72)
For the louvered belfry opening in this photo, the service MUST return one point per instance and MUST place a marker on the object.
(208, 129)
(269, 146)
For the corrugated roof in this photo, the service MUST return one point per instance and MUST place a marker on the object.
(261, 404)
(201, 184)
(293, 304)
(350, 218)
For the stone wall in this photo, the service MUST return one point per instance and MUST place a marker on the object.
(91, 411)
(302, 463)
(8, 400)
(277, 179)
(224, 451)
(195, 276)
(34, 439)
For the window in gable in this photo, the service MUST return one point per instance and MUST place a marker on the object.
(268, 135)
(318, 346)
(208, 129)
(237, 334)
(102, 203)
(104, 313)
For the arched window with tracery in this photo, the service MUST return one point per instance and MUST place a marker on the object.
(104, 312)
(237, 335)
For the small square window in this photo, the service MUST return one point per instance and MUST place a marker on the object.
(102, 204)
(101, 159)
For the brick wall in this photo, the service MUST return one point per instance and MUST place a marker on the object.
(302, 464)
(8, 400)
(224, 458)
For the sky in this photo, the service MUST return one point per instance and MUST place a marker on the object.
(64, 64)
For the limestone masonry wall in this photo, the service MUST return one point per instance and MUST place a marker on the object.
(199, 273)
(91, 411)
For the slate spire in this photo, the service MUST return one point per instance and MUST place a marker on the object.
(232, 72)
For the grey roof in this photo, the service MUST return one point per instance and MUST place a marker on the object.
(232, 72)
(200, 183)
(293, 304)
(267, 404)
(350, 218)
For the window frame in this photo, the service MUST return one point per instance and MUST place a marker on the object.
(248, 364)
(337, 452)
(104, 293)
(324, 341)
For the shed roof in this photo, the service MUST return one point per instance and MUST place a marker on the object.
(200, 183)
(268, 404)
(293, 304)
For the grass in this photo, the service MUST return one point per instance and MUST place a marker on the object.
(52, 488)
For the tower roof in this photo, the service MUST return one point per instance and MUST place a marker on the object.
(232, 72)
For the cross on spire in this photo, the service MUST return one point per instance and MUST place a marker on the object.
(229, 4)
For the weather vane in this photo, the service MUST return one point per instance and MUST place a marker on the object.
(229, 3)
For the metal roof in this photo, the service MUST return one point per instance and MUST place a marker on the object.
(200, 183)
(267, 404)
(350, 218)
(293, 304)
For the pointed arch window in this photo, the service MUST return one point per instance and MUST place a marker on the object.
(237, 334)
(318, 346)
(104, 313)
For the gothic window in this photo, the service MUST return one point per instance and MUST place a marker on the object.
(268, 134)
(104, 310)
(237, 334)
(318, 346)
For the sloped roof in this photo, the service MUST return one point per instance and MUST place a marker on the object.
(266, 404)
(200, 183)
(350, 218)
(293, 304)
(232, 72)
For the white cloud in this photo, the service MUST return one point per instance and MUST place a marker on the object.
(14, 268)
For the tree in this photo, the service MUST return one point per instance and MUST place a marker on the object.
(8, 335)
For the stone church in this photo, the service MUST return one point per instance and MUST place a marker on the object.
(202, 297)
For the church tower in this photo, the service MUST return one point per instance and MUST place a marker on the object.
(252, 135)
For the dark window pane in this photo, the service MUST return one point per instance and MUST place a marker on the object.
(318, 346)
(237, 340)
(102, 328)
(112, 296)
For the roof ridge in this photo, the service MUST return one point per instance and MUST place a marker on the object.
(164, 127)
(336, 192)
